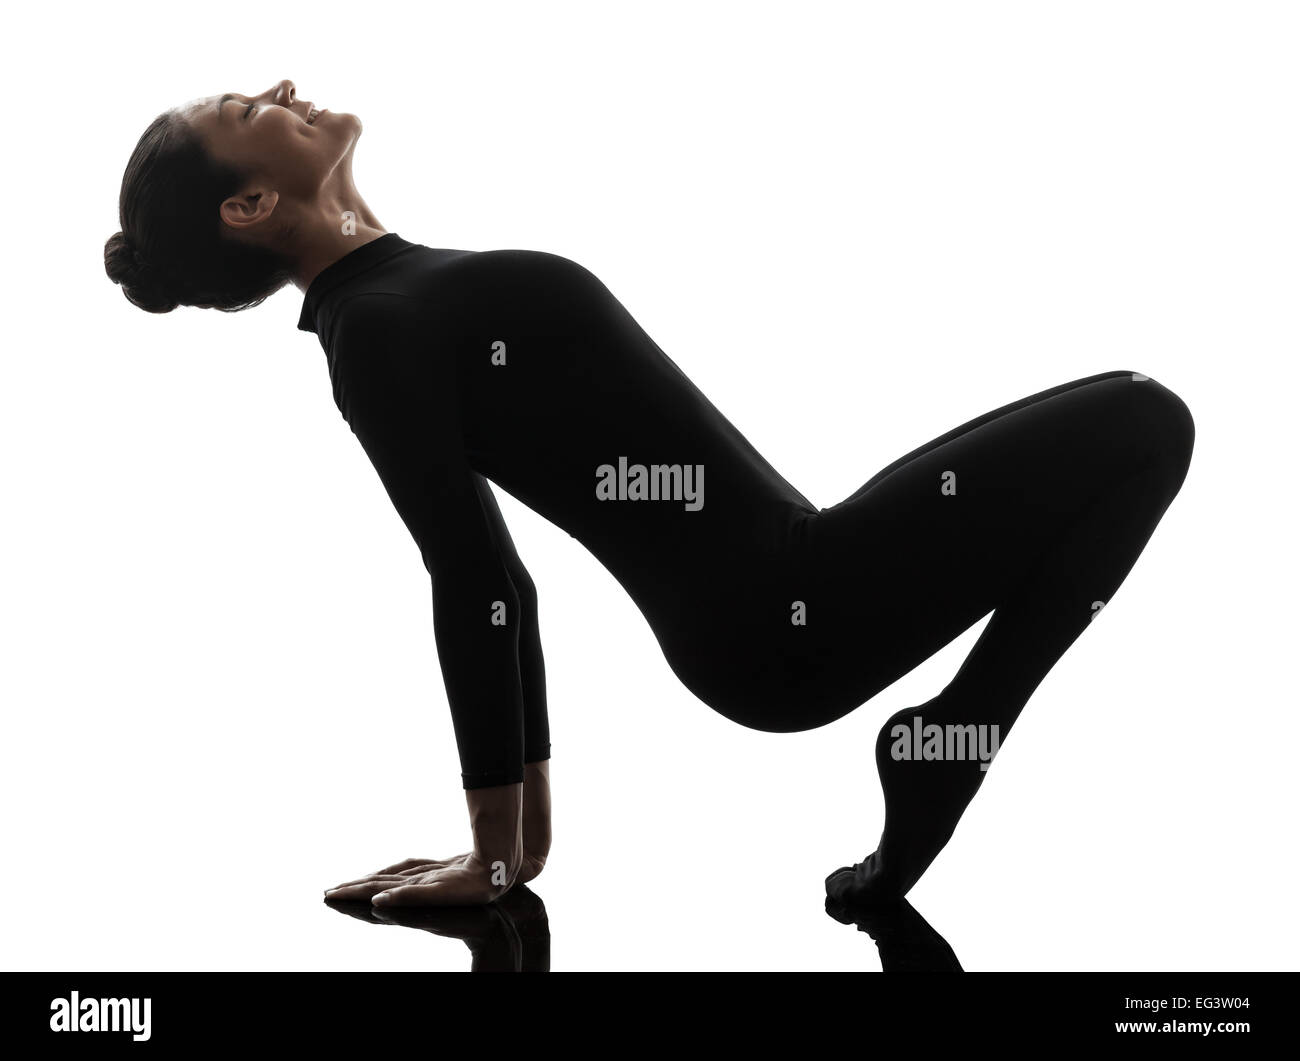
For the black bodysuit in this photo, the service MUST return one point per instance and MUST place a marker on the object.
(520, 367)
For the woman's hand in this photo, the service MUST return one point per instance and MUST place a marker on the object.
(461, 881)
(499, 822)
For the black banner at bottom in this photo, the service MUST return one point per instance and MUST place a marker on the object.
(612, 1011)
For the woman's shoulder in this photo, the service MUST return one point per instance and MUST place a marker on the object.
(468, 289)
(521, 266)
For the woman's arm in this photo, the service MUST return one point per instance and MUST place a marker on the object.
(532, 666)
(532, 674)
(395, 384)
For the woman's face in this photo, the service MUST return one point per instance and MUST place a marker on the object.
(281, 140)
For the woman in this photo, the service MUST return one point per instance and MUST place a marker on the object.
(456, 367)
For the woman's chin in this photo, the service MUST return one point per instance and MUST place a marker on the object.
(347, 121)
(339, 124)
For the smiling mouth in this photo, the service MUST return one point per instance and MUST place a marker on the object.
(312, 115)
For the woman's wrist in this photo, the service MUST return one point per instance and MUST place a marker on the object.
(496, 822)
(537, 810)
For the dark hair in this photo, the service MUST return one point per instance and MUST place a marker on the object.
(172, 250)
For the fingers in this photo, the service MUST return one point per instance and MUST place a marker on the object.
(436, 894)
(373, 878)
(437, 863)
(408, 867)
(406, 863)
(362, 889)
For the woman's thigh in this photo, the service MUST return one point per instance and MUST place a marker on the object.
(873, 586)
(909, 562)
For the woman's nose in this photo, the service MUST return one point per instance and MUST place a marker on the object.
(285, 92)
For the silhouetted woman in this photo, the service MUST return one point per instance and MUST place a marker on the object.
(455, 367)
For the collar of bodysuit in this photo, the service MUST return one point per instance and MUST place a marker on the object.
(355, 262)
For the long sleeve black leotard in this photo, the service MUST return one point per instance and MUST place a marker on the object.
(453, 367)
(520, 367)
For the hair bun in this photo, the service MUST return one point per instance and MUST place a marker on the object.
(143, 284)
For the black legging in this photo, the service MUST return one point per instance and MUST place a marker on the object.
(1035, 511)
(456, 367)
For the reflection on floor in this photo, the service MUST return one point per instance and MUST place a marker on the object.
(510, 935)
(513, 935)
(906, 941)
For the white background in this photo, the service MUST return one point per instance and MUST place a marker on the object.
(854, 226)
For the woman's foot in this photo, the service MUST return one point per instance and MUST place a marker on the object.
(906, 941)
(925, 797)
(863, 884)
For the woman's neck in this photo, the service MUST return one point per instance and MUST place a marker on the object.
(336, 223)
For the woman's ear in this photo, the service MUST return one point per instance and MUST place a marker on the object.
(249, 208)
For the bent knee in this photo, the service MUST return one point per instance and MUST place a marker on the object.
(525, 590)
(1159, 422)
